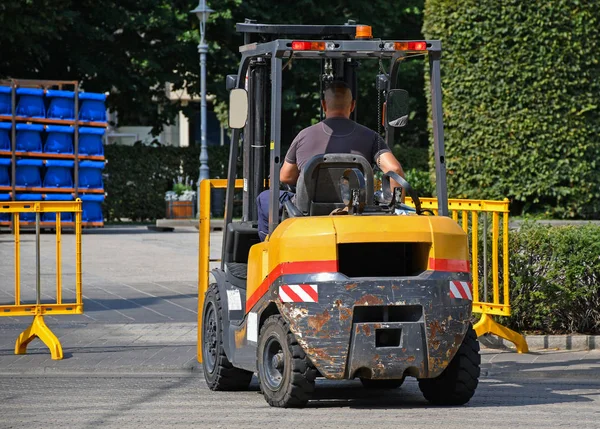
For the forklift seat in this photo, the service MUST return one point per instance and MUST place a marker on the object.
(241, 236)
(318, 191)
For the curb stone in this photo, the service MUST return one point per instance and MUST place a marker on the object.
(545, 342)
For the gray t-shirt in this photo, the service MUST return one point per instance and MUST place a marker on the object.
(335, 135)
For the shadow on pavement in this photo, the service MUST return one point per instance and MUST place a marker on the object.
(72, 351)
(494, 392)
(138, 230)
(95, 304)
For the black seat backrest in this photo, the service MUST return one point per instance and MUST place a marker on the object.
(318, 188)
(241, 236)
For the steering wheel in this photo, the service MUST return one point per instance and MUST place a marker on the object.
(387, 189)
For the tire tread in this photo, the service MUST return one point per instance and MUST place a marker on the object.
(457, 384)
(228, 377)
(302, 381)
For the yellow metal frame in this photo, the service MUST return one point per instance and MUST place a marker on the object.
(38, 328)
(461, 208)
(204, 246)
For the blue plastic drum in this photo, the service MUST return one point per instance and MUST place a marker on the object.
(31, 103)
(59, 139)
(90, 174)
(28, 217)
(28, 172)
(4, 174)
(65, 217)
(5, 97)
(5, 128)
(91, 206)
(29, 137)
(58, 174)
(4, 217)
(92, 107)
(90, 141)
(62, 104)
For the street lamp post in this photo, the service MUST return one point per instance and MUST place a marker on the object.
(202, 11)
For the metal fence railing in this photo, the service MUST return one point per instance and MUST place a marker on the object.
(38, 309)
(473, 216)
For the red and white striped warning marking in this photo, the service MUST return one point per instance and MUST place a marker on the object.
(461, 290)
(299, 293)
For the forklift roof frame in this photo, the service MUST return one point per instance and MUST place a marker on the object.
(280, 49)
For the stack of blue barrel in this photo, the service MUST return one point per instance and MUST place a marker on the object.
(46, 153)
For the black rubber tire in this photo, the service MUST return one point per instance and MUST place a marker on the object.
(457, 384)
(298, 374)
(381, 384)
(219, 373)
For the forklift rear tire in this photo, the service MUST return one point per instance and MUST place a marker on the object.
(457, 384)
(286, 374)
(219, 373)
(381, 384)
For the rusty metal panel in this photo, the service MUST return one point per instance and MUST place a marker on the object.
(325, 329)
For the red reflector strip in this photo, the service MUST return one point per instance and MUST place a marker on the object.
(299, 293)
(461, 290)
(296, 267)
(308, 46)
(451, 265)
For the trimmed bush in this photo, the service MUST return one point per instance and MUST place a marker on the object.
(521, 110)
(555, 279)
(138, 176)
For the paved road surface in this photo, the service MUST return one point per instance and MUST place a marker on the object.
(138, 401)
(130, 360)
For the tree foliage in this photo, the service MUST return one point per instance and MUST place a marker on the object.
(400, 20)
(521, 112)
(132, 48)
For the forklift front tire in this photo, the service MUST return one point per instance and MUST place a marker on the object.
(286, 374)
(219, 373)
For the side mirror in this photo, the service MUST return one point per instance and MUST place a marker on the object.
(238, 108)
(397, 108)
(231, 81)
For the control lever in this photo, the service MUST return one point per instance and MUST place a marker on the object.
(392, 197)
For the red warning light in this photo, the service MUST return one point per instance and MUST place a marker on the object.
(410, 46)
(307, 46)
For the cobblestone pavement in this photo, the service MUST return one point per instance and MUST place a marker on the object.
(130, 360)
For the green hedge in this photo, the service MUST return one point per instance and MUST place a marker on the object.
(137, 177)
(521, 108)
(555, 279)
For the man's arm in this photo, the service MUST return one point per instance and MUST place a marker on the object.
(388, 162)
(289, 173)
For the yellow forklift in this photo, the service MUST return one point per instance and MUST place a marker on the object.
(377, 291)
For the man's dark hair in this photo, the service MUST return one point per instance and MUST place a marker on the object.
(337, 95)
(336, 85)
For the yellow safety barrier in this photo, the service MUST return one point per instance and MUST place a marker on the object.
(38, 328)
(500, 302)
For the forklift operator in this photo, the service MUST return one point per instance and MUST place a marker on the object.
(336, 134)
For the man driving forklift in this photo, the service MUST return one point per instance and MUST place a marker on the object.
(337, 133)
